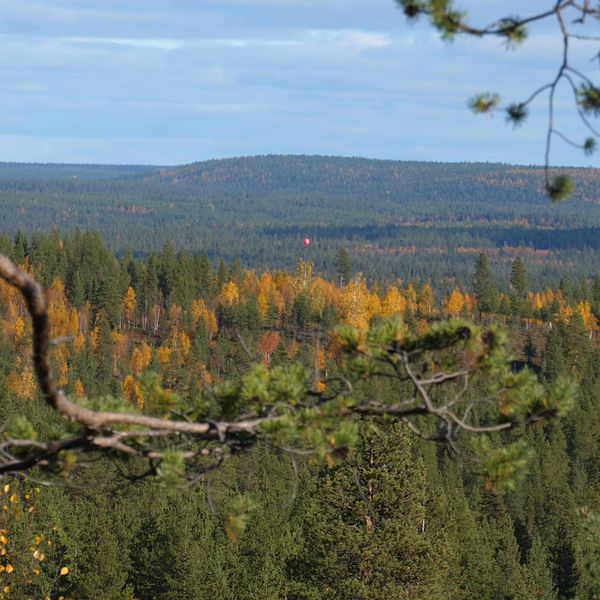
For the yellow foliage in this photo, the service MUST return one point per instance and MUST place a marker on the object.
(79, 342)
(206, 376)
(357, 304)
(589, 320)
(63, 319)
(422, 326)
(132, 390)
(266, 289)
(426, 301)
(94, 336)
(565, 314)
(22, 384)
(411, 297)
(304, 275)
(454, 303)
(200, 311)
(119, 343)
(62, 368)
(19, 328)
(141, 358)
(393, 303)
(250, 283)
(78, 388)
(129, 304)
(230, 294)
(184, 343)
(163, 354)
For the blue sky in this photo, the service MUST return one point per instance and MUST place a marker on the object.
(174, 81)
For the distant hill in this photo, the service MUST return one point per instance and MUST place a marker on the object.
(9, 170)
(397, 218)
(339, 175)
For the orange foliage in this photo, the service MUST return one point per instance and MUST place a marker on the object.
(78, 388)
(268, 343)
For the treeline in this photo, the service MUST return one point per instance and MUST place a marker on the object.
(397, 219)
(399, 518)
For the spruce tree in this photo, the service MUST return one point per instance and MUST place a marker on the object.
(483, 287)
(366, 532)
(342, 266)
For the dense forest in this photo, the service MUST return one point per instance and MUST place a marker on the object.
(397, 219)
(398, 518)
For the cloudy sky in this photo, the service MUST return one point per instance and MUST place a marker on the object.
(174, 81)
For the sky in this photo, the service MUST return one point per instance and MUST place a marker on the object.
(175, 81)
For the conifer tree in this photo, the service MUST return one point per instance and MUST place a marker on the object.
(365, 531)
(482, 285)
(342, 266)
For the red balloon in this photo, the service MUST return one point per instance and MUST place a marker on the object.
(306, 241)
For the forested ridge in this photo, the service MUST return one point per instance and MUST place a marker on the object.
(397, 218)
(398, 518)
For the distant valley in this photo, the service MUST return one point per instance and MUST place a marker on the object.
(398, 219)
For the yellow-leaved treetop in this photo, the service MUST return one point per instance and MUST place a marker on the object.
(565, 313)
(63, 318)
(393, 303)
(455, 303)
(141, 358)
(129, 306)
(589, 320)
(425, 303)
(230, 294)
(21, 381)
(132, 390)
(200, 311)
(357, 304)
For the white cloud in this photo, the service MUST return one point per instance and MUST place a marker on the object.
(155, 43)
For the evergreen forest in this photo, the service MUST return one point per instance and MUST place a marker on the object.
(397, 219)
(396, 517)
